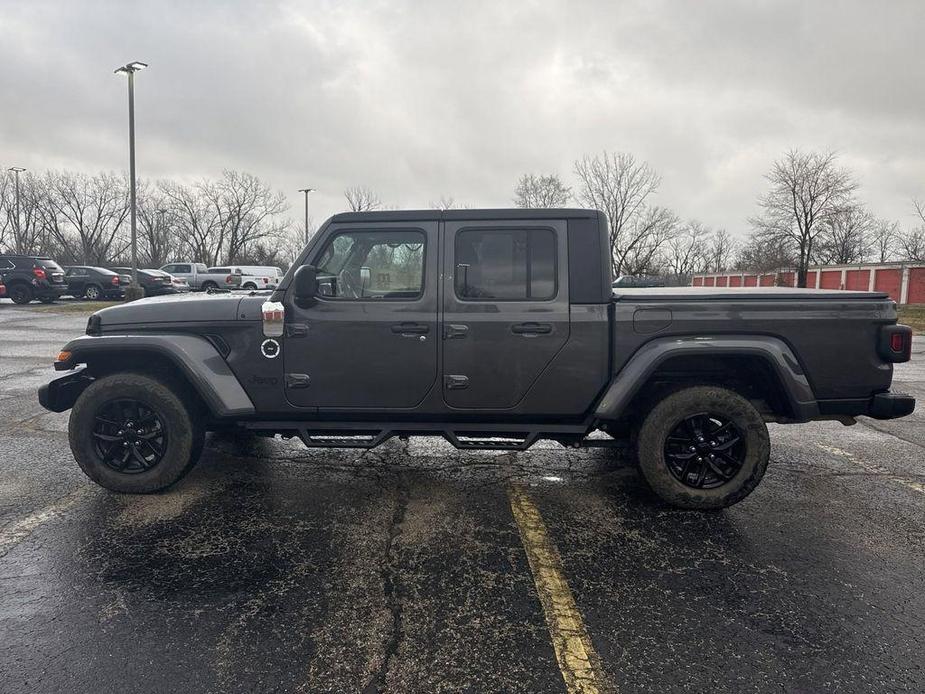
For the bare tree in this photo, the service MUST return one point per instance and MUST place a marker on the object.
(362, 199)
(620, 186)
(85, 215)
(246, 209)
(912, 243)
(846, 236)
(541, 191)
(686, 253)
(761, 253)
(29, 235)
(720, 251)
(195, 221)
(807, 190)
(446, 202)
(884, 236)
(649, 234)
(157, 242)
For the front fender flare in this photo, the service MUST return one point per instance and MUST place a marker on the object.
(774, 351)
(194, 356)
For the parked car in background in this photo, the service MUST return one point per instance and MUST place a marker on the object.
(180, 284)
(260, 276)
(253, 276)
(638, 281)
(89, 282)
(29, 277)
(199, 277)
(154, 282)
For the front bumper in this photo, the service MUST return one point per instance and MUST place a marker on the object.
(60, 394)
(891, 405)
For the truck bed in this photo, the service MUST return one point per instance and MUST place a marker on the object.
(832, 333)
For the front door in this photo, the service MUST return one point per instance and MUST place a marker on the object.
(369, 339)
(506, 309)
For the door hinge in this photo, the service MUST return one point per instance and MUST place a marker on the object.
(296, 330)
(454, 331)
(298, 380)
(456, 382)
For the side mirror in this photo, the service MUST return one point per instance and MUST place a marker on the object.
(306, 282)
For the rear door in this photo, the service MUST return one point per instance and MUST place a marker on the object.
(505, 309)
(76, 278)
(369, 339)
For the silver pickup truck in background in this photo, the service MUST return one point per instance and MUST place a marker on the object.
(200, 278)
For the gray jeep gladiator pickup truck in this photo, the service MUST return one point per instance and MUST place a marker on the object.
(491, 328)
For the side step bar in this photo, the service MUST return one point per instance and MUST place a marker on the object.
(497, 437)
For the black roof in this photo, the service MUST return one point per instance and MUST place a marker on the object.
(462, 215)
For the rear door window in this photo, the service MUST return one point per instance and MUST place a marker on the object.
(506, 264)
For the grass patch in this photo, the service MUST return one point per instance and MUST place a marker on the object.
(913, 316)
(87, 307)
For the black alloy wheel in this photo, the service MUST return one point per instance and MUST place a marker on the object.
(705, 450)
(129, 436)
(92, 292)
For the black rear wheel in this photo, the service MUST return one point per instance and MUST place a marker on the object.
(20, 293)
(703, 447)
(93, 292)
(133, 433)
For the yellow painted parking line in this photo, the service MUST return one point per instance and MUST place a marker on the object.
(874, 468)
(577, 660)
(17, 531)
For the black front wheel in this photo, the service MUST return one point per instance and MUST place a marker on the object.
(703, 447)
(133, 433)
(93, 292)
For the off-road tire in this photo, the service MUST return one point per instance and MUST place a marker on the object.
(668, 413)
(93, 292)
(185, 435)
(20, 293)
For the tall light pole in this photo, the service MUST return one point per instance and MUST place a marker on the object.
(16, 171)
(306, 191)
(130, 70)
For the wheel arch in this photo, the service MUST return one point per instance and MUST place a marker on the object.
(188, 359)
(731, 361)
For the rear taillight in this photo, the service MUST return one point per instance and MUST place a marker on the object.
(896, 343)
(115, 279)
(229, 279)
(39, 273)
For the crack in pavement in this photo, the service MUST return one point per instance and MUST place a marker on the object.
(390, 572)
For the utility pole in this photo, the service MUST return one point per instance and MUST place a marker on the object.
(306, 191)
(130, 70)
(16, 171)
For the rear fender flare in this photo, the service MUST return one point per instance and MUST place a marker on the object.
(626, 383)
(194, 356)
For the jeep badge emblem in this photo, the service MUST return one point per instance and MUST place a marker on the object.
(269, 349)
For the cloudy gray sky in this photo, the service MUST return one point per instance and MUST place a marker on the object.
(418, 100)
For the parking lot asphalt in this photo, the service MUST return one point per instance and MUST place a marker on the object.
(416, 567)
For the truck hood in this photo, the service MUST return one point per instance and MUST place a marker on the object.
(182, 308)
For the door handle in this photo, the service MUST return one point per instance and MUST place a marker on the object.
(409, 329)
(531, 329)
